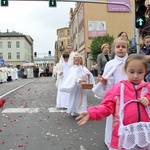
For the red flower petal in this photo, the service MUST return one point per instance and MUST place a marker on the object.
(2, 102)
(20, 145)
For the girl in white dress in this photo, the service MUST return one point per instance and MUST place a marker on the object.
(72, 84)
(113, 73)
(62, 68)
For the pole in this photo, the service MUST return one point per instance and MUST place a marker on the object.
(138, 40)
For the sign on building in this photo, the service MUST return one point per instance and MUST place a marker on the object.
(119, 7)
(96, 28)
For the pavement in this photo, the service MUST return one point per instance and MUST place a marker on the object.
(30, 120)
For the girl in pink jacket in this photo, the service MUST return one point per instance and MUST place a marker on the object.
(129, 103)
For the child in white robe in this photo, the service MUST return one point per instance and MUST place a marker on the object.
(113, 73)
(72, 84)
(62, 68)
(15, 73)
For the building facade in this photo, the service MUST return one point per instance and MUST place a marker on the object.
(63, 39)
(16, 48)
(45, 61)
(89, 20)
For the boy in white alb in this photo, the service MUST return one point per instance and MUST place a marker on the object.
(62, 68)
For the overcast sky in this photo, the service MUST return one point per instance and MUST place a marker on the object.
(37, 19)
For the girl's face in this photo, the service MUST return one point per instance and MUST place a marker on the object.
(106, 50)
(121, 48)
(147, 42)
(77, 61)
(135, 71)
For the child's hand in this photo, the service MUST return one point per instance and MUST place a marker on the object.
(82, 80)
(83, 118)
(144, 101)
(101, 79)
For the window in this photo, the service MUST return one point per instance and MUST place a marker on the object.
(17, 44)
(1, 55)
(9, 55)
(68, 33)
(1, 45)
(62, 44)
(18, 55)
(9, 44)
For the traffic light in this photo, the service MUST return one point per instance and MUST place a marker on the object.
(140, 9)
(35, 54)
(49, 53)
(52, 3)
(4, 2)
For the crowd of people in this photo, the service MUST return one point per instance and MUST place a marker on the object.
(123, 87)
(9, 73)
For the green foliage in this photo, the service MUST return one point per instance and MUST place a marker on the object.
(96, 44)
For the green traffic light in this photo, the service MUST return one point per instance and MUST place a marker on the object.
(140, 10)
(140, 22)
(4, 2)
(52, 3)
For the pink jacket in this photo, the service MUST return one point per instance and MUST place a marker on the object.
(110, 105)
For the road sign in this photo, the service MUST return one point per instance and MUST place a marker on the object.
(133, 42)
(1, 62)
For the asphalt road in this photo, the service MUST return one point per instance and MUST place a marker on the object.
(30, 121)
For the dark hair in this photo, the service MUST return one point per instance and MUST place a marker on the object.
(136, 56)
(65, 55)
(119, 35)
(146, 37)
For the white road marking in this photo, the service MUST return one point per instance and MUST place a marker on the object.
(30, 110)
(16, 89)
(82, 148)
(21, 110)
(54, 109)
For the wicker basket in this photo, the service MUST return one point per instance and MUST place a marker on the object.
(87, 86)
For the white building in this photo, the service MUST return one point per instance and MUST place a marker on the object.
(45, 61)
(16, 48)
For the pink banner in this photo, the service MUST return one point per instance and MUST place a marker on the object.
(119, 8)
(92, 34)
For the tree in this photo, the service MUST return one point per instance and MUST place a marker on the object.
(96, 44)
(146, 30)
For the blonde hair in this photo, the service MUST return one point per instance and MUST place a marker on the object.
(77, 55)
(105, 44)
(120, 39)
